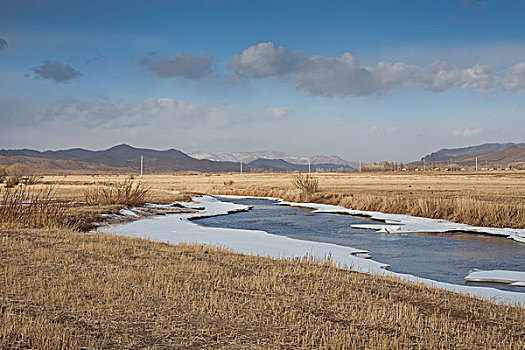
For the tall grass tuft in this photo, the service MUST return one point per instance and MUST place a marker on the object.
(306, 183)
(124, 192)
(21, 207)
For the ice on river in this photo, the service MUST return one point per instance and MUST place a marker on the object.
(178, 228)
(513, 278)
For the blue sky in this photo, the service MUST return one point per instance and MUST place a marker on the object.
(369, 80)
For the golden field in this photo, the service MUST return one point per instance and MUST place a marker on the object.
(64, 289)
(494, 199)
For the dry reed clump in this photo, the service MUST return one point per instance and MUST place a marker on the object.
(105, 291)
(22, 207)
(125, 192)
(306, 183)
(465, 210)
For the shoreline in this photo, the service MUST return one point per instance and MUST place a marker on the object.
(189, 232)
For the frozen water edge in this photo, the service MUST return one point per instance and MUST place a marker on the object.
(178, 228)
(398, 223)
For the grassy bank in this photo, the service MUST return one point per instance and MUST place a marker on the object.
(477, 198)
(484, 199)
(64, 289)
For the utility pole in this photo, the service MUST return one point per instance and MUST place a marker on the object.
(359, 166)
(141, 165)
(309, 170)
(424, 165)
(476, 163)
(241, 167)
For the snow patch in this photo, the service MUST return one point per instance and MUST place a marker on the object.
(127, 212)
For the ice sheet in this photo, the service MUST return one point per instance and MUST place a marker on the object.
(515, 278)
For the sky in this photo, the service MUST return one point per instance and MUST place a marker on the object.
(364, 80)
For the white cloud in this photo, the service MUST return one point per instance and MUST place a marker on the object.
(278, 112)
(266, 60)
(466, 132)
(442, 76)
(345, 76)
(514, 77)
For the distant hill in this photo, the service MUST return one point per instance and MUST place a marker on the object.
(120, 158)
(126, 159)
(446, 154)
(508, 156)
(489, 155)
(282, 165)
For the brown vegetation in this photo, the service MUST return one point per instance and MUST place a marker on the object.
(64, 289)
(482, 198)
(60, 288)
(305, 183)
(22, 207)
(126, 192)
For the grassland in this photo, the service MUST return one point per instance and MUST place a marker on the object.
(495, 199)
(65, 289)
(60, 288)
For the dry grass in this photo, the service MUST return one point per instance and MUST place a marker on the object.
(464, 209)
(305, 183)
(126, 192)
(489, 199)
(63, 289)
(494, 199)
(22, 206)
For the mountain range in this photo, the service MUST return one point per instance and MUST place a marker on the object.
(125, 159)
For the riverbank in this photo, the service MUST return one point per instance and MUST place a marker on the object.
(61, 288)
(70, 289)
(180, 228)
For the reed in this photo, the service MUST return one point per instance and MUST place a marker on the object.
(21, 206)
(126, 192)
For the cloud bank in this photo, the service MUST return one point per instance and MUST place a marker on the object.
(53, 70)
(345, 76)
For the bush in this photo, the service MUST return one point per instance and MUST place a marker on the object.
(124, 192)
(306, 183)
